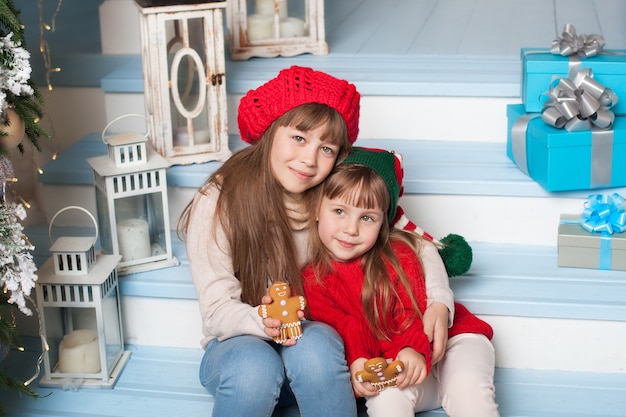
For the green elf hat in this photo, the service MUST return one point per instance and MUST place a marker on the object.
(454, 250)
(388, 166)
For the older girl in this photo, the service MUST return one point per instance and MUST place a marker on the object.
(248, 226)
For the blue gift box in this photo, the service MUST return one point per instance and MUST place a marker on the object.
(540, 67)
(560, 160)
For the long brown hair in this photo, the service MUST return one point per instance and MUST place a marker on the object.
(361, 186)
(251, 204)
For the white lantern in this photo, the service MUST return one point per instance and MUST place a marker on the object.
(79, 302)
(268, 28)
(182, 47)
(131, 200)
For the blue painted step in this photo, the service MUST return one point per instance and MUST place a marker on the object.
(163, 382)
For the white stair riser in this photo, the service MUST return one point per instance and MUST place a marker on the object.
(519, 220)
(568, 345)
(76, 112)
(119, 27)
(161, 322)
(80, 111)
(474, 119)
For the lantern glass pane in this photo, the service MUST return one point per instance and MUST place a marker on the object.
(112, 331)
(140, 226)
(54, 332)
(104, 222)
(71, 352)
(189, 109)
(297, 10)
(264, 15)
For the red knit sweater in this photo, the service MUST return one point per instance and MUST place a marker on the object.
(337, 302)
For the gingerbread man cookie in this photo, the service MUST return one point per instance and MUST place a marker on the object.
(380, 373)
(285, 308)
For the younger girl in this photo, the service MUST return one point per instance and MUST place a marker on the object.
(367, 283)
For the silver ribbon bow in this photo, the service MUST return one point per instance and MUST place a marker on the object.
(586, 46)
(579, 103)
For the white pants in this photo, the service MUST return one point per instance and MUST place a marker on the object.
(462, 383)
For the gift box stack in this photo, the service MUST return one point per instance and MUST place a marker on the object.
(569, 133)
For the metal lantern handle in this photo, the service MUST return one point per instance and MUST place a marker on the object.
(104, 131)
(95, 239)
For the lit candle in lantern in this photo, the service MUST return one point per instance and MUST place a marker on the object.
(260, 27)
(79, 352)
(133, 236)
(291, 27)
(266, 7)
(181, 136)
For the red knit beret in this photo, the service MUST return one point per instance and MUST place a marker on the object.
(292, 87)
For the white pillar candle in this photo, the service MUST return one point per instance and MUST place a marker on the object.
(79, 352)
(200, 136)
(260, 27)
(133, 236)
(266, 7)
(291, 27)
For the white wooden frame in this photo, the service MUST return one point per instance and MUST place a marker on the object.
(242, 47)
(161, 92)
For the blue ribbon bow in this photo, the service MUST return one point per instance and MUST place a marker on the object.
(604, 214)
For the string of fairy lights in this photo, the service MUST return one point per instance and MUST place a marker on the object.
(8, 175)
(44, 49)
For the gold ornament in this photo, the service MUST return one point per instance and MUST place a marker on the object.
(14, 128)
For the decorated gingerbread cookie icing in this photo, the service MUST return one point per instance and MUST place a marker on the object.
(380, 373)
(285, 308)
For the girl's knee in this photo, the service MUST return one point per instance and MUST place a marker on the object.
(320, 345)
(317, 335)
(392, 402)
(242, 363)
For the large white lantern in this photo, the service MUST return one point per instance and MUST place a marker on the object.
(182, 49)
(132, 205)
(269, 28)
(79, 303)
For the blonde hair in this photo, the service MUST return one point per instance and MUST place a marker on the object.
(251, 206)
(361, 186)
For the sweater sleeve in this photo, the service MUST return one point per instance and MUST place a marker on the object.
(413, 337)
(435, 275)
(223, 313)
(437, 283)
(329, 304)
(405, 318)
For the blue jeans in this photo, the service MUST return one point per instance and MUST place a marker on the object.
(251, 377)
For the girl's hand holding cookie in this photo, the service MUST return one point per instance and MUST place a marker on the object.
(380, 373)
(282, 314)
(361, 389)
(415, 370)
